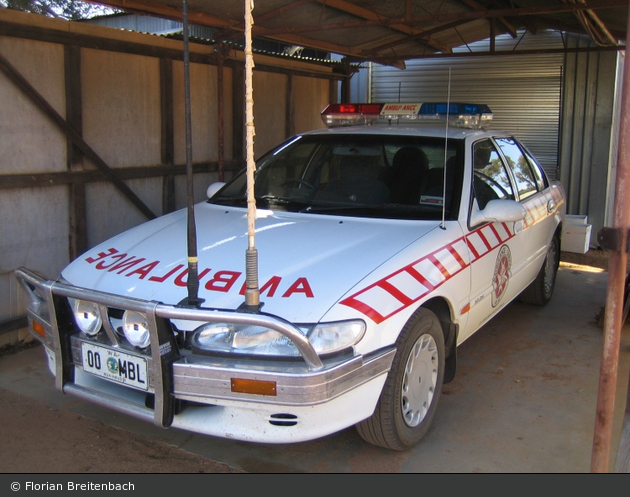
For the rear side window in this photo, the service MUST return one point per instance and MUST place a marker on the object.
(527, 183)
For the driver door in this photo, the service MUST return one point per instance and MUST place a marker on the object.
(496, 249)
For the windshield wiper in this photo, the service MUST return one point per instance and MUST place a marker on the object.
(391, 211)
(281, 203)
(228, 201)
(274, 199)
(329, 208)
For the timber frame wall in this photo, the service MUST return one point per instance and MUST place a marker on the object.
(84, 157)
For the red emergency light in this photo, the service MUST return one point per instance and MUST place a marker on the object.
(349, 114)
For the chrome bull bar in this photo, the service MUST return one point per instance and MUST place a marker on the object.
(59, 326)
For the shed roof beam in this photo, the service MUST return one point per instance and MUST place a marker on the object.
(480, 8)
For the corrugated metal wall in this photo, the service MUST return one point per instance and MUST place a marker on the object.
(522, 91)
(590, 117)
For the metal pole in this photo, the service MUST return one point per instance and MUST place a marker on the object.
(252, 293)
(622, 462)
(221, 155)
(617, 267)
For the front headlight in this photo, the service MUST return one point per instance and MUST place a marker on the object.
(87, 316)
(326, 338)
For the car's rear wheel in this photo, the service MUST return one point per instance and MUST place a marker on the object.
(412, 390)
(539, 292)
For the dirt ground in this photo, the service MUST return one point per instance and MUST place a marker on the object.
(28, 450)
(43, 439)
(593, 258)
(39, 438)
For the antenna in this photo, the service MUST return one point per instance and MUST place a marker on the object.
(448, 109)
(252, 292)
(192, 300)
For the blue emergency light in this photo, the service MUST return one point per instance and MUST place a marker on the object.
(453, 109)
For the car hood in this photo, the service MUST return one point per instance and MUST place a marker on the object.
(306, 262)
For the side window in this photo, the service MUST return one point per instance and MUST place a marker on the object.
(526, 183)
(491, 180)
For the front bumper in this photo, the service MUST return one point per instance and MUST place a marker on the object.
(311, 398)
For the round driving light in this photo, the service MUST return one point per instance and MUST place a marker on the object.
(136, 329)
(87, 316)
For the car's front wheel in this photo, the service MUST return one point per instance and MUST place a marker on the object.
(539, 292)
(410, 396)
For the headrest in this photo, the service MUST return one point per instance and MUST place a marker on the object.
(410, 156)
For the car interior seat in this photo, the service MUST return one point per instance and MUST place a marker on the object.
(483, 191)
(482, 157)
(357, 182)
(410, 168)
(434, 186)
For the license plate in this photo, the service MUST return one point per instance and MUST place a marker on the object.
(115, 365)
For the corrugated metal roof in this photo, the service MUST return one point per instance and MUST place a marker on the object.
(207, 35)
(394, 31)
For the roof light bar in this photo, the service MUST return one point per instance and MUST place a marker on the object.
(459, 114)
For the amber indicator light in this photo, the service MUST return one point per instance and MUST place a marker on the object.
(39, 329)
(257, 387)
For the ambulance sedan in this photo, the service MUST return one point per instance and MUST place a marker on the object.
(383, 243)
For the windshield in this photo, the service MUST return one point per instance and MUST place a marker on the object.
(358, 175)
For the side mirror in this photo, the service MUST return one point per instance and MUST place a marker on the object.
(497, 211)
(214, 188)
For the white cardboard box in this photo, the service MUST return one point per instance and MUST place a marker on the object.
(576, 234)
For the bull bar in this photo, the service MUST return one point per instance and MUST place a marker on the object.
(176, 377)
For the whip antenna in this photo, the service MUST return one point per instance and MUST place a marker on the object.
(448, 108)
(192, 282)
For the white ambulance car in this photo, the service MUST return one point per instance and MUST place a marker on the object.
(384, 241)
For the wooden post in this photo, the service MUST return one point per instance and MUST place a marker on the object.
(74, 115)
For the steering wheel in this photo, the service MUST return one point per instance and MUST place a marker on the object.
(298, 181)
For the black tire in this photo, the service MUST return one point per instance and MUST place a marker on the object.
(540, 290)
(404, 414)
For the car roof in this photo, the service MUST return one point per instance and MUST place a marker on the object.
(415, 130)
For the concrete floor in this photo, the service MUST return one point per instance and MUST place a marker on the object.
(523, 400)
